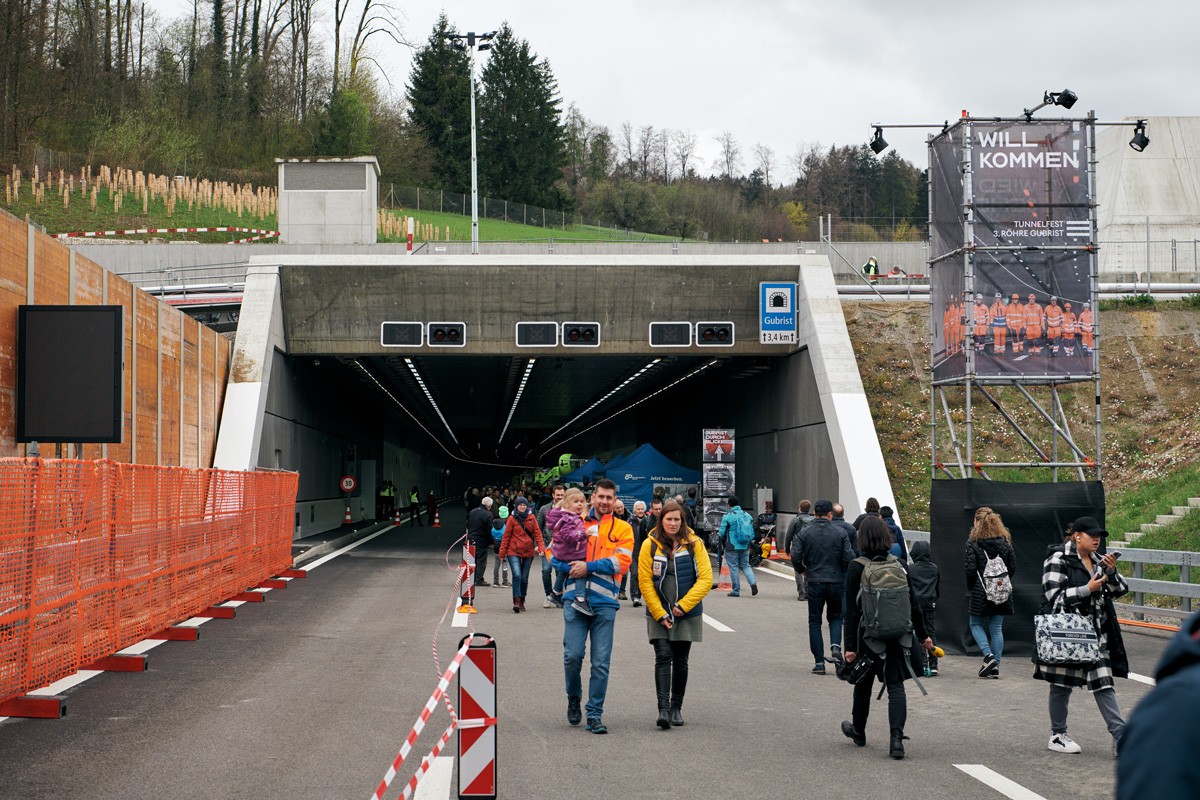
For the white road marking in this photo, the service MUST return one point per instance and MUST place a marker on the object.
(714, 624)
(346, 549)
(460, 619)
(998, 782)
(436, 783)
(1133, 676)
(777, 574)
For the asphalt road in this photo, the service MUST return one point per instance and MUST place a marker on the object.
(311, 694)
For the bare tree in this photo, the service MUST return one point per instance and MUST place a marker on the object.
(645, 151)
(730, 156)
(683, 145)
(626, 145)
(662, 145)
(764, 159)
(802, 157)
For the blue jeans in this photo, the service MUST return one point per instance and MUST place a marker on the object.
(827, 596)
(576, 629)
(520, 575)
(546, 575)
(991, 642)
(739, 561)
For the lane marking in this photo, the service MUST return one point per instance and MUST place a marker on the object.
(346, 549)
(436, 784)
(723, 628)
(995, 780)
(998, 782)
(460, 619)
(1133, 676)
(776, 573)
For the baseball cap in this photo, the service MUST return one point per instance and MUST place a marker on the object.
(1089, 526)
(823, 507)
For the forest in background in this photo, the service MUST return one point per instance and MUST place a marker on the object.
(221, 92)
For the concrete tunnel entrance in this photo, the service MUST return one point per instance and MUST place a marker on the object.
(314, 387)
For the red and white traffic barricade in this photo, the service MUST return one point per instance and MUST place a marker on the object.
(477, 720)
(466, 579)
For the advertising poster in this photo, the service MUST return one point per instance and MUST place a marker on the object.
(1028, 313)
(718, 445)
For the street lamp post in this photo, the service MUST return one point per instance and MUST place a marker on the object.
(473, 43)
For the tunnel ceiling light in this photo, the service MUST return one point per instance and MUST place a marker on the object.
(517, 398)
(632, 405)
(611, 392)
(878, 143)
(428, 396)
(1140, 140)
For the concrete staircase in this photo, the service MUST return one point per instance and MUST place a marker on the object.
(1160, 521)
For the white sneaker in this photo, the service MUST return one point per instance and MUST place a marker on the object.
(546, 603)
(1061, 743)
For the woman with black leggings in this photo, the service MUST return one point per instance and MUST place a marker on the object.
(674, 574)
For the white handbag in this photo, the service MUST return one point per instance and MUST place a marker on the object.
(1063, 638)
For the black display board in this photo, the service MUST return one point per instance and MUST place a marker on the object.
(69, 374)
(1037, 515)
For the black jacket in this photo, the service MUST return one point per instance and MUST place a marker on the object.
(892, 669)
(923, 576)
(1158, 748)
(976, 558)
(479, 525)
(823, 552)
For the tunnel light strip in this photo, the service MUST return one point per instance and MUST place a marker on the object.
(428, 432)
(421, 382)
(612, 392)
(517, 399)
(637, 402)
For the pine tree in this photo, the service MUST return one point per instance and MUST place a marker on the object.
(439, 99)
(522, 148)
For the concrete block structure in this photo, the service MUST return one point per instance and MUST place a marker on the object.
(328, 200)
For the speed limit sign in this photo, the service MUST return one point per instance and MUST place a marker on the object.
(348, 483)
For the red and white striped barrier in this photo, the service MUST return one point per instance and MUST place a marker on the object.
(262, 234)
(419, 726)
(477, 723)
(426, 762)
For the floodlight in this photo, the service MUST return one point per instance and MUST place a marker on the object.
(1066, 98)
(878, 144)
(1139, 140)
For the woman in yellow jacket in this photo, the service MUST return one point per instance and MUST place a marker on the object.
(674, 574)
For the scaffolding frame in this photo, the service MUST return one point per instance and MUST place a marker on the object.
(1064, 452)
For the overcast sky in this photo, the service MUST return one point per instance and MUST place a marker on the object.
(786, 73)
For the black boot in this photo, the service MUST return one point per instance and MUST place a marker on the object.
(662, 685)
(896, 748)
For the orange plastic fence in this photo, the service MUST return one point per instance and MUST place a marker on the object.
(97, 555)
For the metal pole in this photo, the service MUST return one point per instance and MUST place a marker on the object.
(474, 168)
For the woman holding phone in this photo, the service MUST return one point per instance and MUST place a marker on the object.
(1075, 577)
(674, 574)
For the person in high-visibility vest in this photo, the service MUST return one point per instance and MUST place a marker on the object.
(979, 321)
(961, 322)
(1033, 324)
(414, 505)
(948, 327)
(1016, 322)
(998, 315)
(1054, 314)
(1069, 326)
(1087, 328)
(871, 269)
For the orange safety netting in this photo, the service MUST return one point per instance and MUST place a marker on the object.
(98, 555)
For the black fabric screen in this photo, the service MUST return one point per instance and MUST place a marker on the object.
(1037, 515)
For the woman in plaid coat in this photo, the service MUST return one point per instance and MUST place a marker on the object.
(1077, 579)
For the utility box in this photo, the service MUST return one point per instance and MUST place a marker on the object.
(328, 200)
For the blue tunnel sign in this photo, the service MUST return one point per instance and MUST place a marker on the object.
(777, 308)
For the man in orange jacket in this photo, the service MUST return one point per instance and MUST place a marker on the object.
(1033, 324)
(1054, 315)
(609, 554)
(998, 313)
(979, 322)
(1069, 324)
(1016, 322)
(1087, 329)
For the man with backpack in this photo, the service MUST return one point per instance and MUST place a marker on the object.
(884, 625)
(823, 553)
(737, 534)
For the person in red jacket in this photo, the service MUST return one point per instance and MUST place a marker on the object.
(522, 540)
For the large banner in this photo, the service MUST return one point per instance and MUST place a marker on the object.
(1011, 246)
(718, 477)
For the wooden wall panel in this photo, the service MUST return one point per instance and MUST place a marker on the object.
(191, 393)
(13, 277)
(52, 271)
(169, 342)
(89, 282)
(146, 339)
(119, 295)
